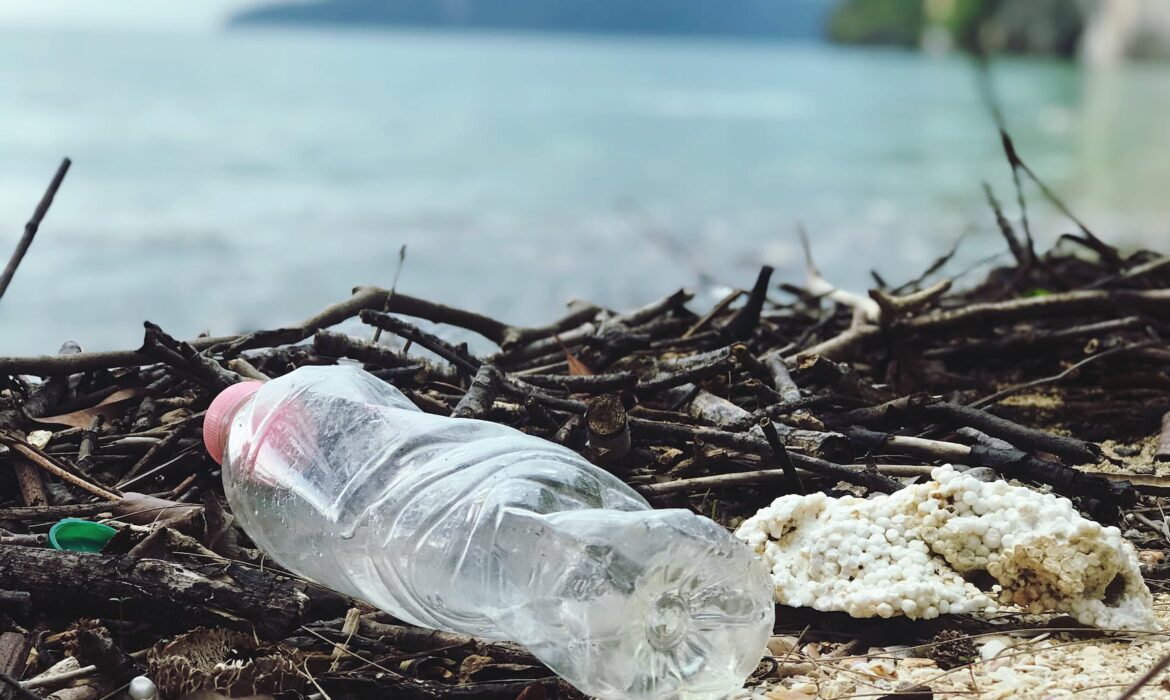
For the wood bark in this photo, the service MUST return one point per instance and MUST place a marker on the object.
(155, 590)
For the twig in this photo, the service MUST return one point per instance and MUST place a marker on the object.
(1096, 301)
(393, 288)
(479, 397)
(719, 308)
(589, 384)
(447, 351)
(839, 346)
(755, 443)
(1036, 338)
(747, 318)
(1014, 389)
(539, 348)
(1005, 227)
(44, 461)
(17, 689)
(186, 359)
(937, 265)
(165, 444)
(1146, 679)
(30, 228)
(42, 681)
(780, 454)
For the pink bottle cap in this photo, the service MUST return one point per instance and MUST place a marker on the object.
(223, 407)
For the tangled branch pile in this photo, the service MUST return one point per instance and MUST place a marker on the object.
(818, 390)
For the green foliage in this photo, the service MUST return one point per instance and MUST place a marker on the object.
(896, 22)
(1034, 26)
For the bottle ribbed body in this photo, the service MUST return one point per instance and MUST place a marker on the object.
(475, 527)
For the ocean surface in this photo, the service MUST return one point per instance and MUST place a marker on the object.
(246, 179)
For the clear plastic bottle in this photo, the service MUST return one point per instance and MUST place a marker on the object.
(475, 527)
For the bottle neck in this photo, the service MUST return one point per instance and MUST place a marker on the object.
(220, 414)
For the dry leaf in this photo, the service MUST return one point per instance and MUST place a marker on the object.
(785, 694)
(107, 408)
(140, 509)
(577, 368)
(535, 691)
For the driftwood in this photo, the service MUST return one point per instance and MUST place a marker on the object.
(163, 592)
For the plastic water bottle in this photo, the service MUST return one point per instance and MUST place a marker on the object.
(475, 527)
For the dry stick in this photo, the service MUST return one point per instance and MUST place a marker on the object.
(1071, 449)
(29, 483)
(413, 333)
(1095, 301)
(480, 395)
(14, 653)
(672, 373)
(1012, 463)
(165, 444)
(370, 298)
(181, 456)
(893, 306)
(498, 332)
(747, 318)
(760, 476)
(1009, 150)
(30, 228)
(757, 444)
(997, 396)
(714, 312)
(246, 370)
(88, 445)
(1034, 337)
(45, 462)
(56, 679)
(363, 298)
(780, 454)
(937, 265)
(1107, 252)
(49, 393)
(578, 384)
(186, 359)
(749, 362)
(991, 101)
(161, 591)
(80, 510)
(578, 334)
(99, 650)
(393, 288)
(897, 412)
(575, 319)
(1146, 679)
(402, 365)
(782, 379)
(1133, 272)
(1005, 227)
(702, 483)
(17, 690)
(840, 345)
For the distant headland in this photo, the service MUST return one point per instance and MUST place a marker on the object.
(763, 19)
